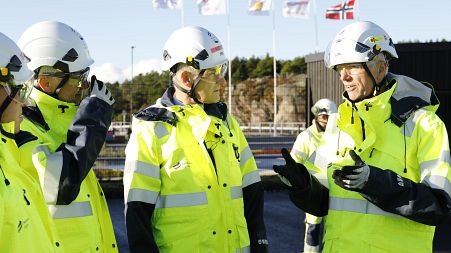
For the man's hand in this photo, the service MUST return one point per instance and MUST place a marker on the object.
(352, 178)
(295, 173)
(99, 90)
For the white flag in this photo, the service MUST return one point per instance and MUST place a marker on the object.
(212, 7)
(296, 8)
(167, 4)
(259, 7)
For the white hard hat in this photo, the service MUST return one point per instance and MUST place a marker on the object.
(14, 60)
(55, 44)
(324, 106)
(195, 46)
(358, 42)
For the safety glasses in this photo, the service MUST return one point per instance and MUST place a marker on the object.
(218, 70)
(18, 92)
(350, 68)
(81, 76)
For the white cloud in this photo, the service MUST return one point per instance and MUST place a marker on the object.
(107, 72)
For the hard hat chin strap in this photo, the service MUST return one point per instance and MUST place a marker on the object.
(191, 92)
(3, 107)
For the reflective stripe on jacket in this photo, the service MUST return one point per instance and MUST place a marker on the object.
(83, 222)
(198, 200)
(25, 224)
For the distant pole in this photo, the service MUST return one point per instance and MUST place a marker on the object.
(230, 60)
(316, 27)
(274, 63)
(182, 14)
(131, 87)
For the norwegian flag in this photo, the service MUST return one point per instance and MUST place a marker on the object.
(341, 11)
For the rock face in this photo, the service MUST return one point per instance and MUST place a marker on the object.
(253, 99)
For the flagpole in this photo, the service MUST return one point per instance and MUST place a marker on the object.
(182, 14)
(274, 64)
(230, 59)
(316, 27)
(357, 9)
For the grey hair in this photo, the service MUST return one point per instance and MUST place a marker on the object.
(379, 58)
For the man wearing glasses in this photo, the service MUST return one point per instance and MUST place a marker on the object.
(191, 183)
(390, 185)
(72, 134)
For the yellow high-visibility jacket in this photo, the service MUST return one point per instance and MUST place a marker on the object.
(25, 223)
(69, 140)
(191, 182)
(405, 144)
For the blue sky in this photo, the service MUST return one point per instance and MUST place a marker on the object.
(111, 27)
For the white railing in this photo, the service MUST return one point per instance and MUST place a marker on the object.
(258, 128)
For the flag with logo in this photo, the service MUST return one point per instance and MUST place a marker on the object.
(167, 4)
(212, 7)
(259, 7)
(296, 8)
(341, 11)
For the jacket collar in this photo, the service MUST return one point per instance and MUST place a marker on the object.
(405, 95)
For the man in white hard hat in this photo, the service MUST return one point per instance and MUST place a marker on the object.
(304, 152)
(191, 183)
(390, 185)
(72, 134)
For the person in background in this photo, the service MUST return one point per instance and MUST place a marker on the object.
(191, 183)
(70, 135)
(304, 152)
(390, 186)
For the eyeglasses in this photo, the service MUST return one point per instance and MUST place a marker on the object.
(81, 76)
(218, 70)
(18, 92)
(350, 68)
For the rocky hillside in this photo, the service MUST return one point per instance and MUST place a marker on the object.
(253, 99)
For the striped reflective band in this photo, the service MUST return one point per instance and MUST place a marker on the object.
(146, 169)
(438, 182)
(73, 210)
(181, 200)
(251, 178)
(357, 206)
(310, 249)
(245, 155)
(427, 166)
(52, 174)
(409, 126)
(142, 195)
(160, 130)
(236, 192)
(246, 249)
(299, 153)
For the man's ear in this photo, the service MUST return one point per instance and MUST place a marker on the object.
(44, 84)
(185, 76)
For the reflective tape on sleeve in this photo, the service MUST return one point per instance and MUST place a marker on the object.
(245, 155)
(251, 178)
(142, 195)
(146, 169)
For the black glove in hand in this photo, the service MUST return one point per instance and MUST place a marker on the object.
(352, 178)
(99, 90)
(295, 173)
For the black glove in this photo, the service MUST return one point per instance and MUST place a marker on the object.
(352, 178)
(99, 90)
(295, 173)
